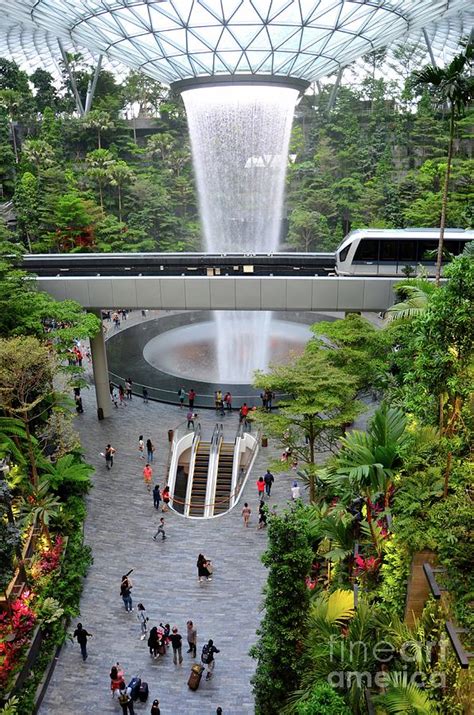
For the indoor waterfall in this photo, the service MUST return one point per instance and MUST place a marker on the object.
(240, 136)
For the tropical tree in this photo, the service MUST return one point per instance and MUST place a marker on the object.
(403, 697)
(10, 101)
(99, 163)
(414, 296)
(367, 461)
(453, 86)
(100, 121)
(38, 153)
(41, 506)
(120, 174)
(67, 475)
(12, 431)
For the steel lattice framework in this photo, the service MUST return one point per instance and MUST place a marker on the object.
(173, 40)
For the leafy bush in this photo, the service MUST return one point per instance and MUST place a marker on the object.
(323, 700)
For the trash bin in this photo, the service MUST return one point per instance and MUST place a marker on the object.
(100, 413)
(264, 441)
(170, 435)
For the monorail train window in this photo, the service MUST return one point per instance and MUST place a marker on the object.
(425, 248)
(344, 252)
(389, 251)
(407, 251)
(367, 250)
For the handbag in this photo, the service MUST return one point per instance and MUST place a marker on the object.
(209, 566)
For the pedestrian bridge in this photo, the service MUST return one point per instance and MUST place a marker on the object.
(288, 293)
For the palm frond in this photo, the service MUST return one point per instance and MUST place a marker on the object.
(404, 697)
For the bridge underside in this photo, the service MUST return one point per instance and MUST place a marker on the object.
(224, 293)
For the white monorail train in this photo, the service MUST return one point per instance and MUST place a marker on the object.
(386, 252)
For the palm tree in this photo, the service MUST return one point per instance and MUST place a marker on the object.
(120, 174)
(12, 431)
(367, 461)
(453, 87)
(415, 296)
(100, 121)
(68, 470)
(99, 163)
(41, 506)
(403, 697)
(10, 101)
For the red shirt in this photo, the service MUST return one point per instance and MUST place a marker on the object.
(260, 485)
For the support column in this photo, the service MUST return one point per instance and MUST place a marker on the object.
(101, 373)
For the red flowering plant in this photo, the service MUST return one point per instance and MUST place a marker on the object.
(15, 630)
(368, 566)
(48, 559)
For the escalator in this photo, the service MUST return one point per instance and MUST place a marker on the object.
(224, 478)
(199, 487)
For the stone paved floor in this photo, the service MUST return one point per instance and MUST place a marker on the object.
(119, 527)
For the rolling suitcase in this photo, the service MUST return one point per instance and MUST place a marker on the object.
(143, 692)
(195, 677)
(134, 686)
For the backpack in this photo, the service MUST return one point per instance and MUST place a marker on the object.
(123, 698)
(206, 655)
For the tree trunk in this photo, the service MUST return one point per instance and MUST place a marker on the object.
(98, 139)
(312, 486)
(447, 473)
(15, 147)
(101, 198)
(119, 202)
(444, 203)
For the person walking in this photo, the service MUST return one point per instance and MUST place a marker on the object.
(262, 515)
(203, 568)
(192, 638)
(154, 643)
(191, 398)
(176, 643)
(109, 456)
(268, 478)
(82, 635)
(156, 496)
(246, 511)
(295, 491)
(260, 487)
(121, 396)
(190, 418)
(145, 396)
(128, 388)
(181, 397)
(150, 450)
(244, 410)
(155, 708)
(147, 475)
(141, 447)
(207, 657)
(228, 401)
(116, 677)
(126, 586)
(125, 699)
(143, 620)
(165, 496)
(115, 397)
(161, 530)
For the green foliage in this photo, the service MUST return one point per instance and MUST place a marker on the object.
(322, 700)
(288, 559)
(68, 476)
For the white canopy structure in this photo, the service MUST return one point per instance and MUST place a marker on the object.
(174, 40)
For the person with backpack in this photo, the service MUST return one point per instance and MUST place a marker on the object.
(268, 478)
(176, 643)
(125, 699)
(82, 635)
(125, 591)
(207, 657)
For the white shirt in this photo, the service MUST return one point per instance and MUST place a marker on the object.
(295, 492)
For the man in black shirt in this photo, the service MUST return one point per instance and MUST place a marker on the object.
(176, 641)
(82, 635)
(207, 657)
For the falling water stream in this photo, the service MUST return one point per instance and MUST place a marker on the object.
(240, 136)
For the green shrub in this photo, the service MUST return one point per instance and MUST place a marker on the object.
(323, 700)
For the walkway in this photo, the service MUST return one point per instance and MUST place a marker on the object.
(120, 524)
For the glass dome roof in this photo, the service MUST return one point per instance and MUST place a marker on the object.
(173, 40)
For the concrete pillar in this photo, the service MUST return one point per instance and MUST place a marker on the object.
(101, 373)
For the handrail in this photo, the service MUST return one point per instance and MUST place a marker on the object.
(216, 440)
(192, 461)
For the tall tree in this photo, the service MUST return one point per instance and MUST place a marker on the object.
(99, 163)
(454, 87)
(120, 175)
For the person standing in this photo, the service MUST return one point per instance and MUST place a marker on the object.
(191, 398)
(244, 410)
(165, 496)
(125, 699)
(145, 396)
(128, 388)
(228, 401)
(115, 397)
(141, 447)
(161, 530)
(207, 657)
(109, 456)
(176, 643)
(181, 397)
(190, 417)
(156, 496)
(260, 487)
(295, 491)
(143, 620)
(192, 638)
(121, 396)
(268, 479)
(246, 511)
(126, 593)
(147, 475)
(155, 708)
(262, 515)
(150, 449)
(82, 635)
(202, 567)
(154, 642)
